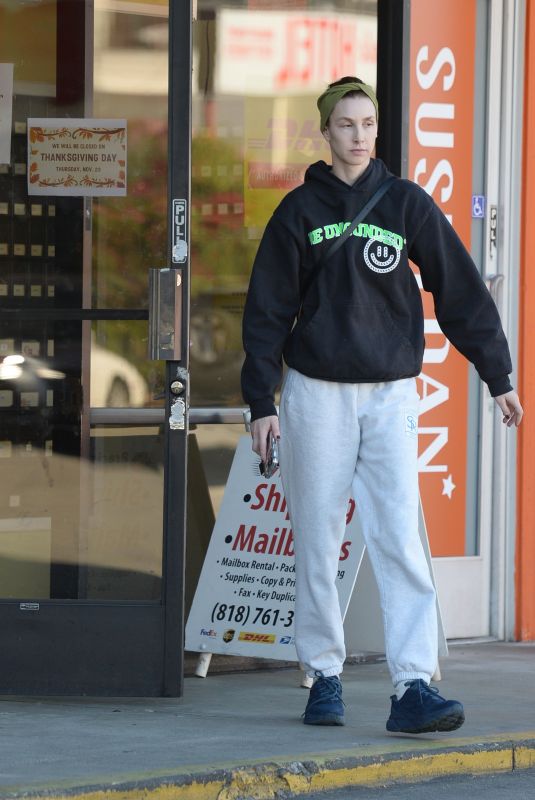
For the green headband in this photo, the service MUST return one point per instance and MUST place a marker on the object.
(329, 98)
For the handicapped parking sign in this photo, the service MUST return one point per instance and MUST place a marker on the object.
(478, 206)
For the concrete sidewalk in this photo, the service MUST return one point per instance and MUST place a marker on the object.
(239, 736)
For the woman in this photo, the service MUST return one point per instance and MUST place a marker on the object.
(350, 330)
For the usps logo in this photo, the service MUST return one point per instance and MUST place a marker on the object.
(287, 640)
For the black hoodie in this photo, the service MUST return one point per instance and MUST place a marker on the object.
(360, 320)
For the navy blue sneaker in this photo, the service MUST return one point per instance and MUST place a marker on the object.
(423, 710)
(325, 705)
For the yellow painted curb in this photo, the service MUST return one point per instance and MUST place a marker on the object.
(524, 757)
(264, 781)
(417, 768)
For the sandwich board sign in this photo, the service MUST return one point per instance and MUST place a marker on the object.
(244, 601)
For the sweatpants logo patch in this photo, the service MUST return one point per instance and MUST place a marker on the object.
(411, 423)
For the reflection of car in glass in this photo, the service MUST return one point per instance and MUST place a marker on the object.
(25, 374)
(115, 382)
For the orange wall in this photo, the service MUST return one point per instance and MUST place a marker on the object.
(440, 160)
(525, 555)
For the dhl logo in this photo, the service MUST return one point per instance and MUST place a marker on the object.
(261, 638)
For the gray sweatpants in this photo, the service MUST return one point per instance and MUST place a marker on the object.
(342, 439)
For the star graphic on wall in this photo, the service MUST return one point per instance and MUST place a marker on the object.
(449, 486)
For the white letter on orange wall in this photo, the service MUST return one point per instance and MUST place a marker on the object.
(440, 441)
(444, 58)
(432, 111)
(442, 170)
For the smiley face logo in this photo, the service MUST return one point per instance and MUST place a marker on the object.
(381, 257)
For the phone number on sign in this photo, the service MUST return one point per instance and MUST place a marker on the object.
(257, 616)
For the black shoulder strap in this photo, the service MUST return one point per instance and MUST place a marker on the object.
(374, 199)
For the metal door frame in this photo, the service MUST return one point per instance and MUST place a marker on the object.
(176, 440)
(511, 32)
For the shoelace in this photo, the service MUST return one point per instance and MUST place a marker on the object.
(326, 689)
(424, 689)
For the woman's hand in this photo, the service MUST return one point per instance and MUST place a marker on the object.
(511, 409)
(260, 429)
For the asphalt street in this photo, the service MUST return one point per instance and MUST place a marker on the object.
(516, 785)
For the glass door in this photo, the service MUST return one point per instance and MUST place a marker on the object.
(90, 568)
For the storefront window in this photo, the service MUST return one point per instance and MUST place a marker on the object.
(80, 502)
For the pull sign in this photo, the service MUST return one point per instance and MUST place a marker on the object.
(493, 228)
(29, 606)
(180, 237)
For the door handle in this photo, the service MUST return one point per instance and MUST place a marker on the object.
(165, 314)
(494, 283)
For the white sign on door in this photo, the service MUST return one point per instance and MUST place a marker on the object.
(77, 157)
